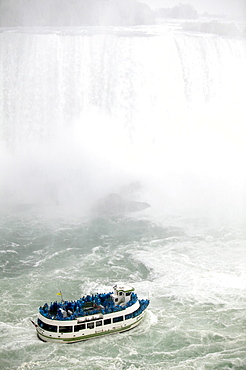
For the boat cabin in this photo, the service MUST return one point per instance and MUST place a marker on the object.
(122, 294)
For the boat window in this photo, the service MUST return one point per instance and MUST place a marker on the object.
(47, 327)
(128, 293)
(120, 293)
(90, 325)
(117, 319)
(129, 316)
(116, 299)
(79, 327)
(107, 321)
(65, 329)
(99, 323)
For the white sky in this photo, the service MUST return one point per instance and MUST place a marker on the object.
(225, 7)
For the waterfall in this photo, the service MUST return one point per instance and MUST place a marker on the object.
(85, 110)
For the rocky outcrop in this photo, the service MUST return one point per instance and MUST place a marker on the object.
(114, 204)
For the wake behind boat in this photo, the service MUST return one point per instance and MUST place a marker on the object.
(91, 316)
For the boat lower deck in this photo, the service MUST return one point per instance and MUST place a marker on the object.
(77, 337)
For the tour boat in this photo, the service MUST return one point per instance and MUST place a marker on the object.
(90, 316)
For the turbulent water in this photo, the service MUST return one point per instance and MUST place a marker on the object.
(153, 114)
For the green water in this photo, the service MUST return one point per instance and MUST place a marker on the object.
(196, 285)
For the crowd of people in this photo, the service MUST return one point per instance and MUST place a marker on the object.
(87, 305)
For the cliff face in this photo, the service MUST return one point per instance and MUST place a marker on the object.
(74, 13)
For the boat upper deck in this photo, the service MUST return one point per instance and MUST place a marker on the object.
(100, 303)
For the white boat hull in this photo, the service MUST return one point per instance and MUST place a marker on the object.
(89, 333)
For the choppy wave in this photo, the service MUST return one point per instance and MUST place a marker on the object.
(196, 285)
